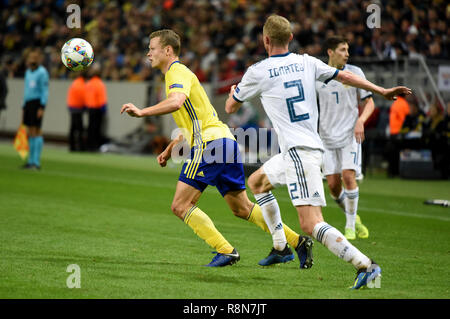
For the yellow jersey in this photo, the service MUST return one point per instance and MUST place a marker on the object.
(197, 117)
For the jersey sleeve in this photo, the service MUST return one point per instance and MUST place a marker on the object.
(323, 72)
(179, 80)
(248, 87)
(363, 94)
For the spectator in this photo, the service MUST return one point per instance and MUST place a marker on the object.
(398, 111)
(436, 140)
(117, 30)
(96, 103)
(76, 105)
(413, 126)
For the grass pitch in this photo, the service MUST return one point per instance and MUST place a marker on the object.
(110, 215)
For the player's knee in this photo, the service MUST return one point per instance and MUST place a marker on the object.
(335, 189)
(242, 211)
(350, 182)
(255, 184)
(178, 210)
(252, 183)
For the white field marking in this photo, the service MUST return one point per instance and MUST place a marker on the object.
(390, 212)
(212, 190)
(400, 213)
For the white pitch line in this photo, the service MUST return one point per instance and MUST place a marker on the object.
(210, 190)
(392, 212)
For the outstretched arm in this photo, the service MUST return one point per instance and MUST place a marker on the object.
(352, 79)
(173, 103)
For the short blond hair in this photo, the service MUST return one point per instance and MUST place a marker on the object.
(278, 29)
(168, 37)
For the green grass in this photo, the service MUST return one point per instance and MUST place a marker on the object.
(110, 214)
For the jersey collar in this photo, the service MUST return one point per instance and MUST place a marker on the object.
(177, 61)
(280, 55)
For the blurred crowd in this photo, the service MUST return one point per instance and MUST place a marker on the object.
(220, 38)
(413, 129)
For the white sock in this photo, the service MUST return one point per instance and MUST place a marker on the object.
(336, 242)
(352, 197)
(272, 217)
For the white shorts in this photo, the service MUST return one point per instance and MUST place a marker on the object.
(347, 157)
(299, 170)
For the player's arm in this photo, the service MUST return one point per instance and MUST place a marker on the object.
(352, 79)
(167, 153)
(44, 94)
(368, 108)
(231, 104)
(172, 103)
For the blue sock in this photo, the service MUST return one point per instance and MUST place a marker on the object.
(32, 149)
(39, 142)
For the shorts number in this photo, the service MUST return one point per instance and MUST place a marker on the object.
(298, 98)
(292, 189)
(337, 96)
(354, 157)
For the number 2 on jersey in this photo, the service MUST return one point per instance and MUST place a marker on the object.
(298, 98)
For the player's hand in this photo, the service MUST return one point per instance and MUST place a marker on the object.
(233, 87)
(131, 109)
(359, 131)
(40, 112)
(163, 158)
(391, 94)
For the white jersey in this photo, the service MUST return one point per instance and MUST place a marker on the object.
(286, 85)
(338, 105)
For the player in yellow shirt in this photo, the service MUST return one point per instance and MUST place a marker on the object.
(215, 159)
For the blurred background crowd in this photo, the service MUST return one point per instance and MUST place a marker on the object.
(219, 37)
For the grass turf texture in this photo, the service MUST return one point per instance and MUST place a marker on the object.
(110, 214)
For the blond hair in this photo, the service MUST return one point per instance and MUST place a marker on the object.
(278, 29)
(168, 37)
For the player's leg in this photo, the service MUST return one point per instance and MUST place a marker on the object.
(39, 144)
(230, 182)
(312, 223)
(261, 182)
(351, 201)
(32, 139)
(332, 171)
(337, 192)
(260, 187)
(33, 120)
(27, 120)
(309, 208)
(351, 156)
(183, 206)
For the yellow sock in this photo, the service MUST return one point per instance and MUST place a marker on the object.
(257, 218)
(205, 229)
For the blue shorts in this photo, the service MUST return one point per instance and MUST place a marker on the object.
(217, 163)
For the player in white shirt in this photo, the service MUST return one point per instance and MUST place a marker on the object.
(341, 129)
(285, 83)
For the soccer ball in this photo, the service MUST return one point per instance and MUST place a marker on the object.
(77, 54)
